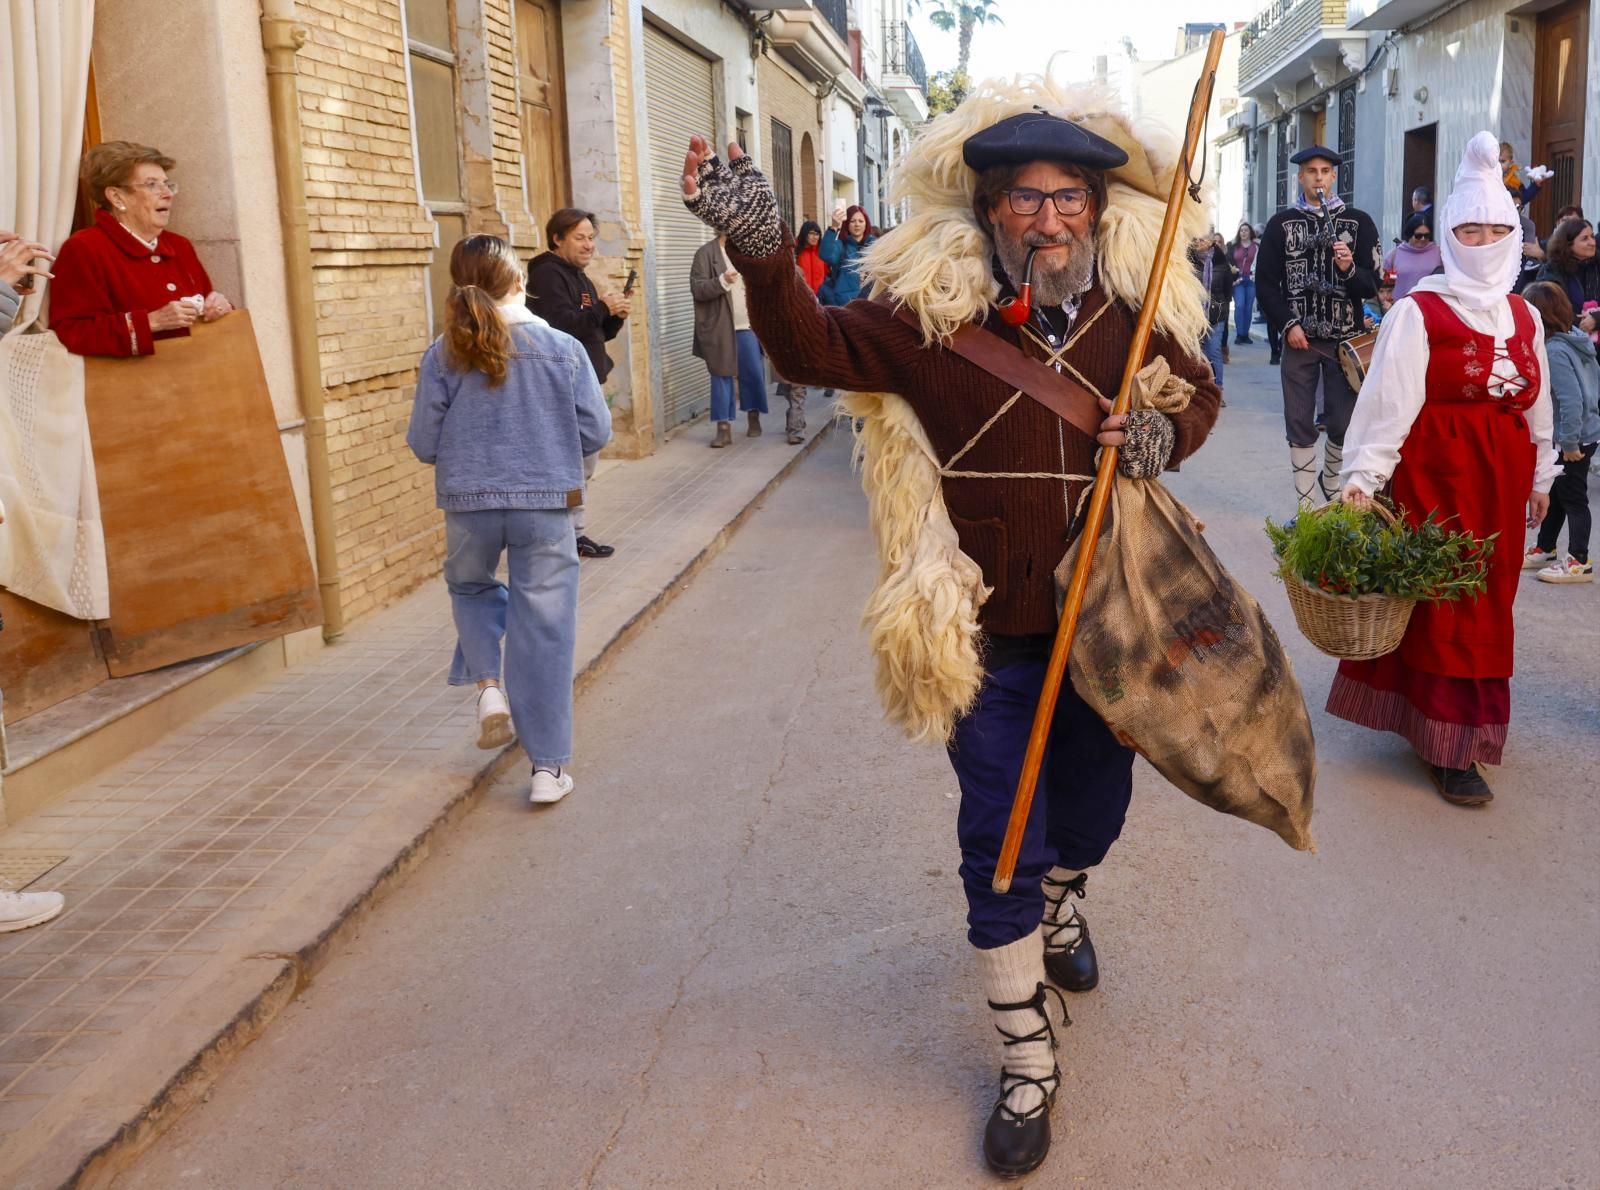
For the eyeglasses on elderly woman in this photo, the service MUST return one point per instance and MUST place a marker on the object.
(153, 186)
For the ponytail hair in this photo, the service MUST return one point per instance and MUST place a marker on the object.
(485, 272)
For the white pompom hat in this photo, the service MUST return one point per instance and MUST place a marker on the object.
(1480, 276)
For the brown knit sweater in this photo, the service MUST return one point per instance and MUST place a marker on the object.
(1015, 529)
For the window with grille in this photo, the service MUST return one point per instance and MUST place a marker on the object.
(783, 170)
(1282, 199)
(430, 44)
(1347, 143)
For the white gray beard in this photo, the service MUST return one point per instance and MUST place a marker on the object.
(1053, 283)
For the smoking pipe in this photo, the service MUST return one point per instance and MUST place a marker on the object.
(1017, 310)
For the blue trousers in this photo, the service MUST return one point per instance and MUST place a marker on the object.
(1078, 808)
(752, 381)
(1244, 305)
(1212, 346)
(536, 616)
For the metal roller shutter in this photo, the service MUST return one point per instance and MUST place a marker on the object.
(678, 96)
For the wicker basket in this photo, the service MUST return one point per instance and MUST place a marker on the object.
(1351, 629)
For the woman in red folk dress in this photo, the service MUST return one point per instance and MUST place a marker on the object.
(127, 281)
(1455, 417)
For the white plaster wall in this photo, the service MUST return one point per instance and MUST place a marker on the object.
(840, 135)
(719, 35)
(1591, 127)
(1478, 76)
(1228, 198)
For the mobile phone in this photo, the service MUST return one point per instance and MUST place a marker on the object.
(627, 286)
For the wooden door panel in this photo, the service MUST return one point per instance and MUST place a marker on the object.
(46, 656)
(544, 121)
(1561, 67)
(204, 545)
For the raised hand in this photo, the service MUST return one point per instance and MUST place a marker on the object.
(734, 199)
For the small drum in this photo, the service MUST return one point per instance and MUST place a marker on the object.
(1354, 357)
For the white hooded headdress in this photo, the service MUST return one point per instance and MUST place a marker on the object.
(1480, 277)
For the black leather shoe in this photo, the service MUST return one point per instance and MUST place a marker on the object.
(1069, 958)
(1460, 787)
(589, 548)
(1017, 1143)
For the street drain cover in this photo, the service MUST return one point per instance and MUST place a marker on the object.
(18, 869)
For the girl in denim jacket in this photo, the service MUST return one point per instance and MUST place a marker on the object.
(506, 407)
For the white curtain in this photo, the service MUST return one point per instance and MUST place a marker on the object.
(44, 82)
(52, 549)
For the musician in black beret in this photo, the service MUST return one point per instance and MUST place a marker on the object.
(975, 486)
(1319, 260)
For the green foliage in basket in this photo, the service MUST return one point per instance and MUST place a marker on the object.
(1352, 551)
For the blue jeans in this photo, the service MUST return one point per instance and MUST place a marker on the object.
(1212, 346)
(752, 381)
(536, 616)
(1078, 809)
(1244, 304)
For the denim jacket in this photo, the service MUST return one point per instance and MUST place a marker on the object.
(1575, 389)
(518, 445)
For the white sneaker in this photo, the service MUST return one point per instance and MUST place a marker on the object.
(549, 787)
(1536, 557)
(19, 910)
(1569, 571)
(494, 718)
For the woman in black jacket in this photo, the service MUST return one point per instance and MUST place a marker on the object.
(1570, 263)
(1211, 266)
(560, 292)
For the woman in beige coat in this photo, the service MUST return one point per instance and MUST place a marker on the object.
(723, 338)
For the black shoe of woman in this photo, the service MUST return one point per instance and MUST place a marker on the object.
(1461, 787)
(589, 548)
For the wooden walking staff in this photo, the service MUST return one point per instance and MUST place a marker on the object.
(1105, 475)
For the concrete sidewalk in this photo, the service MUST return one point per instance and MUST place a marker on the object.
(211, 873)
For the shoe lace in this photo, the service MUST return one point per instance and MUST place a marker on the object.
(1056, 893)
(1010, 1080)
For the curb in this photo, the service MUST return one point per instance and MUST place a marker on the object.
(284, 975)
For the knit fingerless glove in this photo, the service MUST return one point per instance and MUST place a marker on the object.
(737, 200)
(1151, 436)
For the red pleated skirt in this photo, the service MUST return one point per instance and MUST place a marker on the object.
(1449, 721)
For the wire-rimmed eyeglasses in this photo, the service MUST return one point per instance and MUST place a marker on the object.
(154, 186)
(1025, 200)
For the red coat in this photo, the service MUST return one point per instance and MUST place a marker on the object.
(107, 284)
(1469, 456)
(813, 266)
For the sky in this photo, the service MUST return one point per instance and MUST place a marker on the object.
(1032, 29)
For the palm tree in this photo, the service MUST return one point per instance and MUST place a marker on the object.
(964, 16)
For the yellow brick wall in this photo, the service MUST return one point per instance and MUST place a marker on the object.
(786, 97)
(372, 241)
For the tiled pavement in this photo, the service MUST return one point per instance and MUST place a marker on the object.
(183, 856)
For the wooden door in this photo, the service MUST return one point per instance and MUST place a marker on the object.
(1560, 78)
(1420, 157)
(204, 546)
(544, 120)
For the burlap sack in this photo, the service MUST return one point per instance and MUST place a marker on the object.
(1181, 663)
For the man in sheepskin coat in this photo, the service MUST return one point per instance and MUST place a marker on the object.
(975, 489)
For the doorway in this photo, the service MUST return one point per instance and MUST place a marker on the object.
(1560, 75)
(1420, 157)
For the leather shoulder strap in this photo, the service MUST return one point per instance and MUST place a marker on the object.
(1060, 394)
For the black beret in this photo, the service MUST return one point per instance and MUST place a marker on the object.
(1039, 136)
(1322, 151)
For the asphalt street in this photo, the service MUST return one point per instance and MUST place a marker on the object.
(735, 956)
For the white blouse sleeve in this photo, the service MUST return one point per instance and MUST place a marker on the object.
(1391, 397)
(1542, 418)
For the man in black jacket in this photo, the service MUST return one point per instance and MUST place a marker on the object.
(1319, 261)
(560, 292)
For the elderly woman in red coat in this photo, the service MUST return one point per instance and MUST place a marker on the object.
(127, 281)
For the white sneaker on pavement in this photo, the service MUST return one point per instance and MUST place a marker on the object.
(1568, 571)
(1536, 557)
(494, 718)
(549, 787)
(19, 910)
